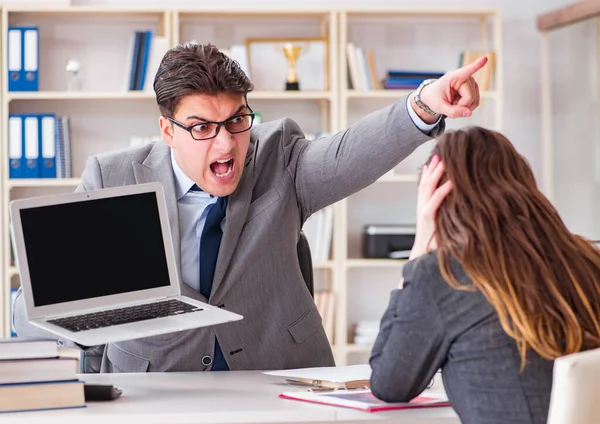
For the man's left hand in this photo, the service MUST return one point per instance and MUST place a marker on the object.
(456, 94)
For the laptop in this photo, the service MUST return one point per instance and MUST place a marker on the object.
(99, 266)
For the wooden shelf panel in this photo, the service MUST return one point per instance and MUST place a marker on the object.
(568, 15)
(396, 94)
(258, 11)
(43, 182)
(369, 12)
(142, 95)
(353, 348)
(399, 178)
(375, 263)
(290, 95)
(324, 265)
(80, 95)
(86, 11)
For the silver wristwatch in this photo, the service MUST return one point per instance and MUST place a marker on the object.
(417, 97)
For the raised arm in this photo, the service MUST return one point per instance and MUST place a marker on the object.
(331, 168)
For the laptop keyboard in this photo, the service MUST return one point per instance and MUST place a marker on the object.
(126, 315)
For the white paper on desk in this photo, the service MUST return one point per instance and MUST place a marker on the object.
(340, 374)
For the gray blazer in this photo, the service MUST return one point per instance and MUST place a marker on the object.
(429, 325)
(285, 180)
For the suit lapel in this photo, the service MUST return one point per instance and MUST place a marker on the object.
(235, 217)
(157, 167)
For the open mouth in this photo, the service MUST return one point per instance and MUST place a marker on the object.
(222, 168)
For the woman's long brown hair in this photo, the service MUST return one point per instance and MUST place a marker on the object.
(543, 281)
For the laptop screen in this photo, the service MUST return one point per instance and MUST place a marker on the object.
(93, 248)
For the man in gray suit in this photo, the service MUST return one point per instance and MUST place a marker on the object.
(245, 192)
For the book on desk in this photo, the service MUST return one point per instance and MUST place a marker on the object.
(34, 375)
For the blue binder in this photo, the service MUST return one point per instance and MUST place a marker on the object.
(16, 165)
(23, 58)
(31, 145)
(47, 145)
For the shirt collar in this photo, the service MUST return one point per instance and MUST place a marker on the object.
(183, 183)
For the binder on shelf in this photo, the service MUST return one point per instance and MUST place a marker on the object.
(31, 137)
(15, 147)
(15, 58)
(23, 58)
(47, 140)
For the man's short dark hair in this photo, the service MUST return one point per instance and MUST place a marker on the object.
(196, 69)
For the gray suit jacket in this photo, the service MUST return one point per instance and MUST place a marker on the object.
(285, 180)
(429, 325)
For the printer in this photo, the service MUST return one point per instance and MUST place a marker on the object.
(388, 241)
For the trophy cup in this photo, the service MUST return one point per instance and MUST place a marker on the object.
(291, 52)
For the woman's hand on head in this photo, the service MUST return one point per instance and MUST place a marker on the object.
(430, 197)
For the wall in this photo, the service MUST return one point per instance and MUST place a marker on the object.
(575, 104)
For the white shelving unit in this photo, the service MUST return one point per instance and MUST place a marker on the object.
(104, 116)
(393, 35)
(101, 105)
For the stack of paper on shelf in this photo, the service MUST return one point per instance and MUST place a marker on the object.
(33, 376)
(366, 333)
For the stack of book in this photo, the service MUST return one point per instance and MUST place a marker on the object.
(34, 376)
(399, 79)
(146, 51)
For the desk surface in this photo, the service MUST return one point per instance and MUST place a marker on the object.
(214, 397)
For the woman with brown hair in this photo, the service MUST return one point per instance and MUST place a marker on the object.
(495, 289)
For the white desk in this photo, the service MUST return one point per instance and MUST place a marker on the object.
(214, 397)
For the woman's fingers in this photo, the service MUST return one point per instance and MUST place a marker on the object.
(438, 197)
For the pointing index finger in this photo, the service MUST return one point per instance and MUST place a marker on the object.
(467, 71)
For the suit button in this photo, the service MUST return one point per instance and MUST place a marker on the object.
(206, 360)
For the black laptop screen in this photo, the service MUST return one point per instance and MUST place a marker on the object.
(94, 248)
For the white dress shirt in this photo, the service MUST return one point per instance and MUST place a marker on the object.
(193, 210)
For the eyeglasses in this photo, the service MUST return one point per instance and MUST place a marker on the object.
(207, 130)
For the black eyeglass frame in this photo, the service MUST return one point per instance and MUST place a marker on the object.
(220, 124)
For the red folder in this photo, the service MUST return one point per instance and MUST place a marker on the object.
(363, 400)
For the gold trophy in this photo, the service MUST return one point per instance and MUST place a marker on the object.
(291, 52)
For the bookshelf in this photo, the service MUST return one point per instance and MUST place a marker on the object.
(105, 116)
(393, 34)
